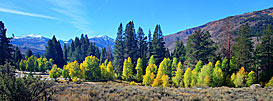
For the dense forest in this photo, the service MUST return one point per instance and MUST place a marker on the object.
(138, 58)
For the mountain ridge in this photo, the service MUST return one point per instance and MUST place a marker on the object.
(37, 43)
(256, 20)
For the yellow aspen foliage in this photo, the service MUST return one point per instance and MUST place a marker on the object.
(75, 79)
(160, 71)
(152, 77)
(194, 77)
(198, 66)
(139, 67)
(232, 78)
(187, 77)
(110, 70)
(207, 81)
(152, 68)
(270, 83)
(217, 75)
(90, 68)
(65, 72)
(179, 75)
(156, 82)
(165, 81)
(250, 78)
(152, 60)
(240, 77)
(74, 69)
(148, 78)
(127, 72)
(206, 70)
(55, 72)
(174, 66)
(103, 71)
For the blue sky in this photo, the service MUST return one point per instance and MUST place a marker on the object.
(70, 18)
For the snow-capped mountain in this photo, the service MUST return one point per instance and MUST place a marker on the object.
(37, 43)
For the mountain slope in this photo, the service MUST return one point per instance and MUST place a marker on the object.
(37, 43)
(257, 20)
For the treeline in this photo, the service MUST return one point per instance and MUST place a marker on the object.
(89, 70)
(35, 64)
(77, 50)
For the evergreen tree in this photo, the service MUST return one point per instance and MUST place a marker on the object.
(65, 54)
(149, 53)
(130, 42)
(29, 53)
(199, 47)
(264, 54)
(142, 43)
(71, 50)
(179, 51)
(54, 51)
(119, 50)
(103, 55)
(109, 54)
(243, 49)
(17, 56)
(158, 48)
(97, 52)
(6, 48)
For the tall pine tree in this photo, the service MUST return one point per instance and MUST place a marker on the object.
(118, 50)
(179, 51)
(158, 48)
(199, 47)
(130, 42)
(54, 51)
(264, 54)
(5, 46)
(243, 49)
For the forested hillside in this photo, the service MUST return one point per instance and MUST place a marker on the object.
(257, 20)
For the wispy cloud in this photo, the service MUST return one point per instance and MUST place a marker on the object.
(74, 13)
(25, 13)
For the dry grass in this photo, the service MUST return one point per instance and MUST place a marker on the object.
(124, 91)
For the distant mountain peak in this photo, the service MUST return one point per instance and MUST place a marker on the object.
(37, 43)
(29, 36)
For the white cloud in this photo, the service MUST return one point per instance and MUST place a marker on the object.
(25, 13)
(74, 13)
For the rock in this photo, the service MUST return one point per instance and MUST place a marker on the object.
(255, 86)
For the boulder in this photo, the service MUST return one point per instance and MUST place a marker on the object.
(255, 86)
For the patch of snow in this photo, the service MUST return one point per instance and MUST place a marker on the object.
(28, 36)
